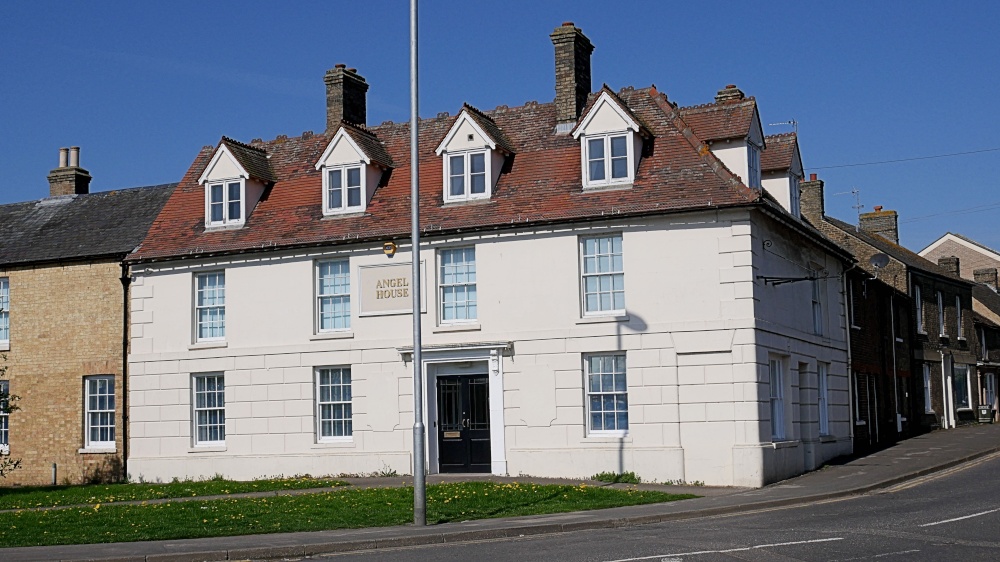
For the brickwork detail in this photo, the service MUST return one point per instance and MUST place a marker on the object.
(345, 97)
(573, 51)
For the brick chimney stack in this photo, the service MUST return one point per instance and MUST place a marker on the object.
(950, 264)
(987, 276)
(69, 178)
(345, 97)
(729, 93)
(883, 223)
(573, 51)
(811, 198)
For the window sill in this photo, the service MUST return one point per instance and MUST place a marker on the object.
(218, 227)
(457, 328)
(208, 345)
(482, 200)
(587, 188)
(960, 338)
(861, 422)
(97, 451)
(346, 334)
(346, 443)
(613, 317)
(344, 214)
(853, 327)
(827, 438)
(608, 435)
(207, 449)
(899, 340)
(784, 444)
(5, 346)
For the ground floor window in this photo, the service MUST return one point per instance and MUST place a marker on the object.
(209, 409)
(927, 389)
(961, 387)
(607, 393)
(4, 417)
(990, 390)
(99, 415)
(776, 381)
(333, 403)
(822, 372)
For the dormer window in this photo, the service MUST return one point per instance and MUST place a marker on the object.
(352, 167)
(225, 202)
(473, 154)
(467, 176)
(753, 166)
(610, 143)
(234, 181)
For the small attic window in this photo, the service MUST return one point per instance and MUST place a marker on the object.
(224, 202)
(610, 144)
(472, 157)
(231, 191)
(344, 189)
(467, 176)
(350, 173)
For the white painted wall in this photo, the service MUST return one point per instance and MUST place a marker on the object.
(733, 154)
(698, 329)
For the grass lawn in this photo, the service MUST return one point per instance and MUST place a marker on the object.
(339, 509)
(48, 496)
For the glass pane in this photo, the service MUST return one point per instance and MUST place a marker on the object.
(619, 168)
(457, 186)
(595, 149)
(456, 165)
(478, 183)
(353, 177)
(354, 197)
(216, 193)
(477, 163)
(619, 146)
(596, 170)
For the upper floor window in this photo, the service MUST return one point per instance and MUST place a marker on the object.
(603, 275)
(224, 202)
(4, 309)
(753, 166)
(467, 177)
(458, 285)
(920, 309)
(99, 415)
(334, 414)
(333, 294)
(608, 159)
(817, 303)
(940, 307)
(776, 383)
(823, 373)
(795, 196)
(610, 142)
(210, 306)
(958, 316)
(344, 189)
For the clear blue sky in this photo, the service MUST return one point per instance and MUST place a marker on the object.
(142, 86)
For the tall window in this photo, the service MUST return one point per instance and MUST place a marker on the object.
(333, 403)
(940, 307)
(458, 285)
(961, 387)
(4, 310)
(4, 417)
(225, 202)
(603, 275)
(920, 309)
(795, 196)
(467, 176)
(958, 316)
(776, 381)
(990, 389)
(823, 373)
(343, 189)
(333, 293)
(209, 409)
(928, 408)
(607, 159)
(210, 306)
(817, 303)
(753, 166)
(99, 415)
(607, 393)
(851, 315)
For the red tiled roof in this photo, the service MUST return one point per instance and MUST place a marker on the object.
(252, 158)
(543, 185)
(368, 142)
(489, 126)
(780, 152)
(721, 121)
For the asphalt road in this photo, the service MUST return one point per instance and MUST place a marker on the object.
(953, 515)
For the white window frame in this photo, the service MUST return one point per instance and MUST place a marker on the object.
(753, 166)
(5, 421)
(817, 303)
(328, 208)
(611, 275)
(337, 291)
(823, 380)
(97, 415)
(776, 392)
(606, 138)
(920, 310)
(990, 389)
(942, 330)
(928, 407)
(465, 269)
(226, 202)
(958, 318)
(5, 311)
(333, 395)
(967, 370)
(599, 387)
(466, 156)
(199, 307)
(208, 401)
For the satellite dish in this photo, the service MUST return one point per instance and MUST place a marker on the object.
(878, 261)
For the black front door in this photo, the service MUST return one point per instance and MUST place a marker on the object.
(463, 424)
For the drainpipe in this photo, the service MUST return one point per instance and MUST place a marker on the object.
(892, 342)
(126, 280)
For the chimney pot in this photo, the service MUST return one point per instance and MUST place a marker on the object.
(345, 97)
(878, 208)
(63, 157)
(69, 178)
(74, 157)
(340, 65)
(573, 50)
(568, 24)
(812, 177)
(951, 265)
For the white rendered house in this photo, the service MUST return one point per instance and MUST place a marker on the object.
(599, 293)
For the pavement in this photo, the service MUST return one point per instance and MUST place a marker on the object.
(908, 460)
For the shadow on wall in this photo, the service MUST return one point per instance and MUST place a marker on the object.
(637, 325)
(108, 470)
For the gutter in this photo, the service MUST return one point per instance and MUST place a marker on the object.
(126, 280)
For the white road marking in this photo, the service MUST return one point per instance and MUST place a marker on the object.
(895, 553)
(960, 518)
(742, 549)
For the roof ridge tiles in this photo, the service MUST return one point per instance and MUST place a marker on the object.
(718, 105)
(242, 144)
(777, 135)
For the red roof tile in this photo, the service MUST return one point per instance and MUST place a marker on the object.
(543, 185)
(780, 152)
(721, 121)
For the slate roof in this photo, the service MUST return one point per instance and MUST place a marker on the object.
(542, 185)
(72, 227)
(367, 141)
(721, 121)
(907, 257)
(252, 158)
(780, 152)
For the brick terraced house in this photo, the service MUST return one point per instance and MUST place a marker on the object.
(602, 288)
(63, 293)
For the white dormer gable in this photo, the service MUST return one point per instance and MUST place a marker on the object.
(472, 161)
(610, 144)
(349, 175)
(230, 192)
(742, 154)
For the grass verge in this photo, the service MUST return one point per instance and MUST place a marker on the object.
(52, 496)
(340, 509)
